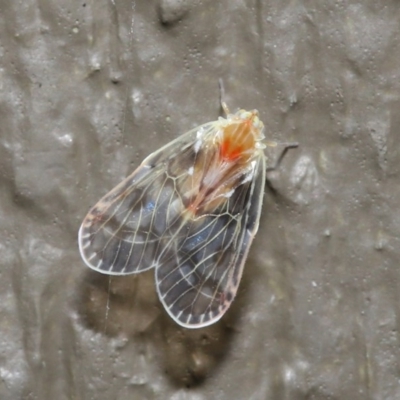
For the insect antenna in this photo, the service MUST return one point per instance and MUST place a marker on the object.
(222, 102)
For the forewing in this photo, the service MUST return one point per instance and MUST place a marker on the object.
(201, 262)
(125, 231)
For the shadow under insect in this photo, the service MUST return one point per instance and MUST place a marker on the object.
(128, 306)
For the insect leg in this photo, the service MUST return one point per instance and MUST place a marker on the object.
(287, 147)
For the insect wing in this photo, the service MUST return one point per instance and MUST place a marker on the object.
(146, 222)
(125, 231)
(200, 265)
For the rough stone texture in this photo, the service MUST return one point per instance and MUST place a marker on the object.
(88, 89)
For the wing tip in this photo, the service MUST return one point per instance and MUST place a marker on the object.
(87, 256)
(191, 321)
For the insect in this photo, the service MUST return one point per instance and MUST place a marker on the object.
(190, 212)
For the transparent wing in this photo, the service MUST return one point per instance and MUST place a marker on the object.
(122, 233)
(170, 216)
(200, 264)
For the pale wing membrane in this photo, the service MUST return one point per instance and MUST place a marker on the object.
(201, 261)
(126, 230)
(149, 220)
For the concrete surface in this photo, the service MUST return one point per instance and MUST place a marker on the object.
(88, 89)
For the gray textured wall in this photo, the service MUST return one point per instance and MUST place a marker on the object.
(88, 89)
